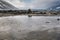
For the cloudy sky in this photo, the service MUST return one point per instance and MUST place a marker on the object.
(34, 4)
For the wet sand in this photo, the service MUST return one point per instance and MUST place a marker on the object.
(29, 28)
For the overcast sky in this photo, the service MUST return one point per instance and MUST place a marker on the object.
(34, 4)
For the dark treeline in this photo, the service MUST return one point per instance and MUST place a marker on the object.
(13, 11)
(29, 11)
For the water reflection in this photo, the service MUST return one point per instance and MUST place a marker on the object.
(18, 26)
(30, 23)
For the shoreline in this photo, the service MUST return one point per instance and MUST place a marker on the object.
(6, 15)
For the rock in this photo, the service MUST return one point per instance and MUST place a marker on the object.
(58, 19)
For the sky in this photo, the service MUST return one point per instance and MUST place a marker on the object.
(34, 4)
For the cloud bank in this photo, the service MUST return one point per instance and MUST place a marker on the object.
(34, 4)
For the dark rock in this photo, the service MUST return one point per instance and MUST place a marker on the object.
(58, 19)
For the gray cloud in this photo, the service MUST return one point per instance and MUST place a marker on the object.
(42, 4)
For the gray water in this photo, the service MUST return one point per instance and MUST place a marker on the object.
(20, 25)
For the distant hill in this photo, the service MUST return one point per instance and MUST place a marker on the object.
(6, 5)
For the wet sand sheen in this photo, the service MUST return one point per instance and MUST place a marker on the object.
(18, 26)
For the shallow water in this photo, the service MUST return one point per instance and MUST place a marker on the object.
(20, 25)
